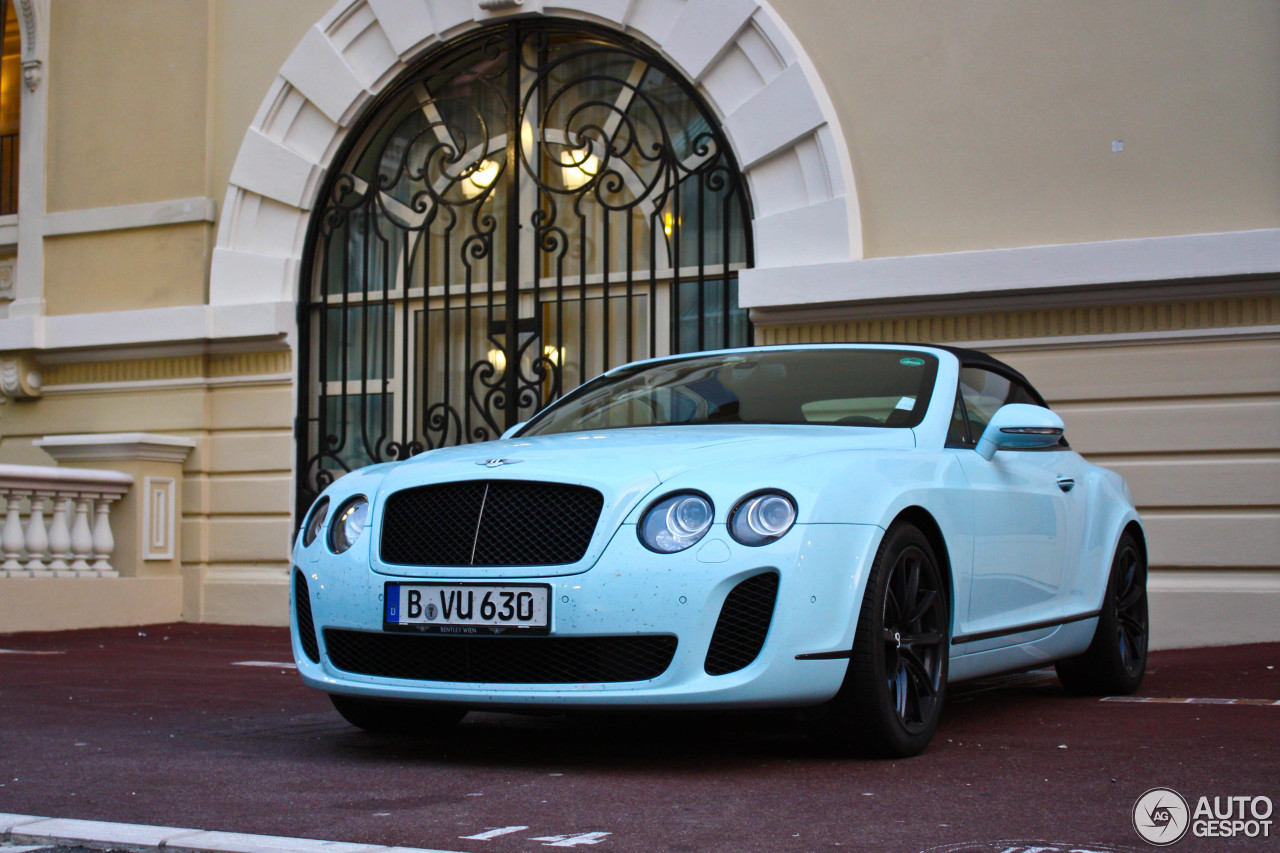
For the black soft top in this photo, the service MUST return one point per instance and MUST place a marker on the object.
(975, 358)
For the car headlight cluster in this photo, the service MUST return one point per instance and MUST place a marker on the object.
(678, 521)
(315, 523)
(348, 523)
(762, 518)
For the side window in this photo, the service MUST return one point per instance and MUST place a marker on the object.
(957, 435)
(983, 392)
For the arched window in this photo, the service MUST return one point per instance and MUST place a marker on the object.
(531, 206)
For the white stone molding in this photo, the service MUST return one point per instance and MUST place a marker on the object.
(739, 54)
(7, 268)
(120, 445)
(28, 296)
(126, 216)
(159, 497)
(31, 54)
(190, 325)
(31, 73)
(20, 378)
(189, 382)
(932, 281)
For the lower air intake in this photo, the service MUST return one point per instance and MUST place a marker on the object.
(501, 660)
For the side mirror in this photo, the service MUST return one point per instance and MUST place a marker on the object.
(1019, 426)
(515, 429)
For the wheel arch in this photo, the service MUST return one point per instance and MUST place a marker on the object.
(1134, 529)
(923, 520)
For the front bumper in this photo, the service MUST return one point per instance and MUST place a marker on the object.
(629, 592)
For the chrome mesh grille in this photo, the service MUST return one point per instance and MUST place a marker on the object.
(490, 523)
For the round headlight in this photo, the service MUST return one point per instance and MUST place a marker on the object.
(315, 521)
(676, 522)
(348, 524)
(762, 518)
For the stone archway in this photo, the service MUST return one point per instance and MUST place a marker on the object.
(739, 54)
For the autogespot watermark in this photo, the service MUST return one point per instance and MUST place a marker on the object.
(1162, 817)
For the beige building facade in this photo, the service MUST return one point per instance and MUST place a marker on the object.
(1091, 193)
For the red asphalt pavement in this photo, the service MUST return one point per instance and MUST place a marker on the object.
(158, 725)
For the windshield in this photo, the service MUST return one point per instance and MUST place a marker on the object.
(840, 387)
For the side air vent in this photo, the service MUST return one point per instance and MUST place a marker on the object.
(743, 624)
(306, 625)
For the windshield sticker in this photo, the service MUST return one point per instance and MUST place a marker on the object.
(906, 403)
(912, 362)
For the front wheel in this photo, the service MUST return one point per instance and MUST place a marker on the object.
(401, 718)
(1116, 660)
(892, 696)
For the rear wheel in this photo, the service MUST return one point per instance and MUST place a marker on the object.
(893, 692)
(402, 718)
(1116, 660)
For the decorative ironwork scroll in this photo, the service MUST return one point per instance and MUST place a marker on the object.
(529, 207)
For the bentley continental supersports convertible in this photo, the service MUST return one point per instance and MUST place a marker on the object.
(838, 529)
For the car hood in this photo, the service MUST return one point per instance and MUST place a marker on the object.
(624, 465)
(637, 458)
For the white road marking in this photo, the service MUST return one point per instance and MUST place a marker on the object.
(289, 665)
(53, 831)
(1167, 700)
(494, 833)
(25, 652)
(572, 840)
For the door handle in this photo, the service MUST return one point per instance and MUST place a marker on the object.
(1066, 484)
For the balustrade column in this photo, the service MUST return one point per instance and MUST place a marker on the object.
(81, 534)
(103, 540)
(60, 533)
(37, 537)
(12, 540)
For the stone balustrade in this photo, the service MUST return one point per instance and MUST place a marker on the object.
(57, 521)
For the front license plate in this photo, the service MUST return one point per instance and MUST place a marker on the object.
(457, 608)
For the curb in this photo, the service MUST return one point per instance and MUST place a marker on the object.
(32, 829)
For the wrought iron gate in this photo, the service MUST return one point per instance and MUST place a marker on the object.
(528, 208)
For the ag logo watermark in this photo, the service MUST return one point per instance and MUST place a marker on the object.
(1162, 817)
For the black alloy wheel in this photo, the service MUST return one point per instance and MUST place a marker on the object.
(895, 687)
(1116, 660)
(1131, 612)
(912, 636)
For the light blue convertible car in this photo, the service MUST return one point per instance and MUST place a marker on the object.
(842, 529)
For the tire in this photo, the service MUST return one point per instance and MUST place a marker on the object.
(1116, 660)
(893, 692)
(400, 718)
